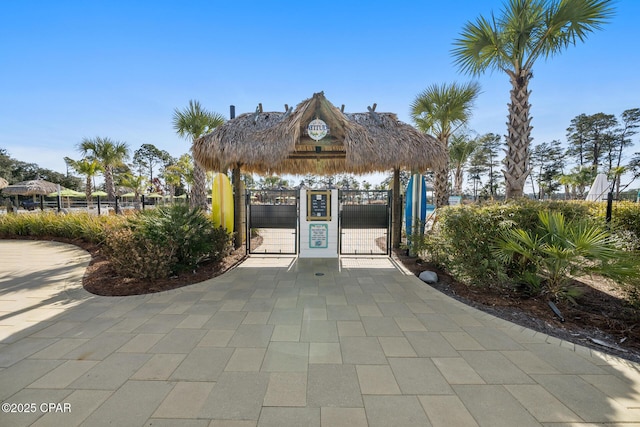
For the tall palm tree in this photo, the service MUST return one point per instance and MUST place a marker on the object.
(525, 31)
(460, 150)
(110, 154)
(193, 122)
(87, 167)
(440, 111)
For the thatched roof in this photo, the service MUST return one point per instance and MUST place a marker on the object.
(28, 188)
(276, 142)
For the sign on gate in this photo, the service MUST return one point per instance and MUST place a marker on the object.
(318, 236)
(319, 205)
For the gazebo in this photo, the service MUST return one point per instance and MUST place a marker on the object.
(279, 142)
(34, 187)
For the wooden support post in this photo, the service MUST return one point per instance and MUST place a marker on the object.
(239, 212)
(396, 215)
(238, 207)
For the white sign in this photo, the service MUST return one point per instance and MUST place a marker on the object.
(317, 129)
(318, 236)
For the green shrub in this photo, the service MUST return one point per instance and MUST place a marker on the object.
(81, 225)
(187, 233)
(462, 237)
(133, 255)
(558, 250)
(625, 221)
(151, 244)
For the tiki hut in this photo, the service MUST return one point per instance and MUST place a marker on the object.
(35, 187)
(279, 142)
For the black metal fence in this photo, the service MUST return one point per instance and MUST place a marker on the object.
(365, 220)
(272, 221)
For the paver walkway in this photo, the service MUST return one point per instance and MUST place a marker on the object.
(284, 342)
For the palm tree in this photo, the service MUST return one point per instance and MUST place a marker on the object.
(460, 151)
(441, 110)
(172, 177)
(193, 122)
(560, 250)
(569, 183)
(137, 184)
(88, 168)
(109, 154)
(512, 42)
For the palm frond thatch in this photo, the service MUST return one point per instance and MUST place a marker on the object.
(275, 142)
(28, 188)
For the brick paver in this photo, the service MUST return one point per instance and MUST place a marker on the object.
(272, 343)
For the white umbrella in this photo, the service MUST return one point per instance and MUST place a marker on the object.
(599, 189)
(3, 183)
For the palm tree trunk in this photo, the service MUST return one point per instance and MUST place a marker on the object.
(108, 182)
(441, 185)
(199, 192)
(519, 137)
(87, 189)
(458, 176)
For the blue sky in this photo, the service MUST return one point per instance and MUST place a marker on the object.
(117, 69)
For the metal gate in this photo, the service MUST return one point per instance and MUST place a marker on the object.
(365, 221)
(272, 221)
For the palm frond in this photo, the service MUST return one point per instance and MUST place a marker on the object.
(195, 121)
(479, 47)
(440, 109)
(570, 21)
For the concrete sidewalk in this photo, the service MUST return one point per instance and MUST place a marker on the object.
(284, 342)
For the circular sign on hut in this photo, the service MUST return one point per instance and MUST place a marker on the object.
(317, 129)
